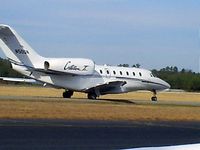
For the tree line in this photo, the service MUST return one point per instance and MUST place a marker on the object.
(183, 79)
(178, 78)
(6, 69)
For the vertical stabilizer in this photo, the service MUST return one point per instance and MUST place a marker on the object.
(16, 49)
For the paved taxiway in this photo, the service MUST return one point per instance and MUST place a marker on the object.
(60, 135)
(65, 134)
(119, 101)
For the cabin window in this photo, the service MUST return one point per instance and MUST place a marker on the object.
(120, 73)
(140, 74)
(133, 73)
(127, 73)
(101, 71)
(114, 72)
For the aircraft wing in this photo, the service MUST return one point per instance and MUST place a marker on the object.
(25, 80)
(18, 80)
(108, 86)
(50, 71)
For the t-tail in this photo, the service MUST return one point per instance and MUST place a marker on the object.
(16, 49)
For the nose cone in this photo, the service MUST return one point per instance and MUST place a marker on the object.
(167, 85)
(159, 84)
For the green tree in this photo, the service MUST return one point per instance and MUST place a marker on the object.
(123, 65)
(136, 65)
(6, 70)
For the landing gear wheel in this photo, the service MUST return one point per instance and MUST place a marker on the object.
(92, 96)
(67, 94)
(154, 97)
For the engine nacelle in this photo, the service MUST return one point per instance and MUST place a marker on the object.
(77, 66)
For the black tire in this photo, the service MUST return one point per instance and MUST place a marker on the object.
(92, 96)
(67, 94)
(154, 99)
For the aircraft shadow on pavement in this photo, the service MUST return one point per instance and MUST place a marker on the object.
(108, 100)
(119, 101)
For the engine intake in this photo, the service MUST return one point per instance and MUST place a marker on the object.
(46, 65)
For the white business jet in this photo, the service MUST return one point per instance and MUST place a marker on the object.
(74, 74)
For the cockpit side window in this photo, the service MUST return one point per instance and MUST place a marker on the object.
(152, 75)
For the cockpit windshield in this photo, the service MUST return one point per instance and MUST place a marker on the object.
(152, 74)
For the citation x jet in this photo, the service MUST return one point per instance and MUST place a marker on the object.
(74, 74)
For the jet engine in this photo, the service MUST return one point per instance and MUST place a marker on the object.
(77, 66)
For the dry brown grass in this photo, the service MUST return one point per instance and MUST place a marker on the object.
(51, 92)
(163, 96)
(29, 91)
(82, 109)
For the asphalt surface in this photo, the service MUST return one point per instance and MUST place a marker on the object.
(119, 101)
(62, 134)
(65, 134)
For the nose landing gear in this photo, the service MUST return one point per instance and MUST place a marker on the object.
(154, 97)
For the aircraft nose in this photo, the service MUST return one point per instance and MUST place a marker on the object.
(167, 85)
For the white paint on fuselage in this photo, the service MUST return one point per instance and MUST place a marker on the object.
(136, 79)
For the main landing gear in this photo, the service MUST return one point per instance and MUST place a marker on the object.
(68, 94)
(154, 97)
(92, 96)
